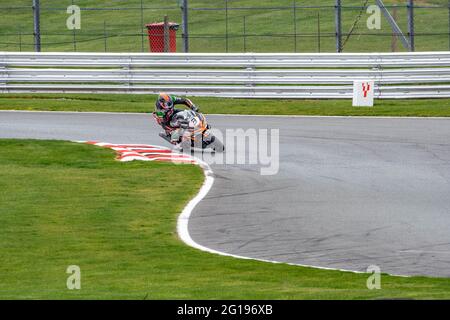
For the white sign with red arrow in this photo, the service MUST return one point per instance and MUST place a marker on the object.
(363, 93)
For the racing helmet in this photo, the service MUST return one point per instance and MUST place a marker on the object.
(164, 105)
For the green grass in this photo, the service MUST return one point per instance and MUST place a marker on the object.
(145, 103)
(71, 204)
(267, 30)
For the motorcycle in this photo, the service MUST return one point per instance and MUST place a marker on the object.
(194, 133)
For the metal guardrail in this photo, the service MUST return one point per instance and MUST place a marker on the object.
(182, 76)
(238, 60)
(396, 75)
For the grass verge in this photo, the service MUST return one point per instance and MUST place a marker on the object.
(71, 204)
(145, 103)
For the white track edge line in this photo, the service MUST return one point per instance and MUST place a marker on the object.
(183, 227)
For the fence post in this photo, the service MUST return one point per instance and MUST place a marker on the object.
(37, 25)
(185, 24)
(245, 35)
(295, 25)
(74, 37)
(166, 33)
(74, 41)
(411, 25)
(338, 23)
(226, 25)
(142, 27)
(319, 35)
(105, 35)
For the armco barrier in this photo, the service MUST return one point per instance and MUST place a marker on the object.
(396, 75)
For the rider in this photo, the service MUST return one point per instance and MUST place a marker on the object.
(166, 114)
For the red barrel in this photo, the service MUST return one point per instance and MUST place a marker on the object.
(156, 36)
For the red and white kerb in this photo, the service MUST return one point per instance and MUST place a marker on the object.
(145, 152)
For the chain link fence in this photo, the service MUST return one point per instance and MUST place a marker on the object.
(227, 25)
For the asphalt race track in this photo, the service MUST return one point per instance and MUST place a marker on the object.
(350, 193)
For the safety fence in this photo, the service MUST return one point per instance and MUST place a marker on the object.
(227, 25)
(311, 76)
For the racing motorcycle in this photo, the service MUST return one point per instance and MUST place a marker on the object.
(194, 134)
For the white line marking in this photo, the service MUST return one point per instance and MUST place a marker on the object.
(183, 226)
(319, 117)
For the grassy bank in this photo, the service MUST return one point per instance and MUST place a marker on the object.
(247, 25)
(70, 204)
(145, 103)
